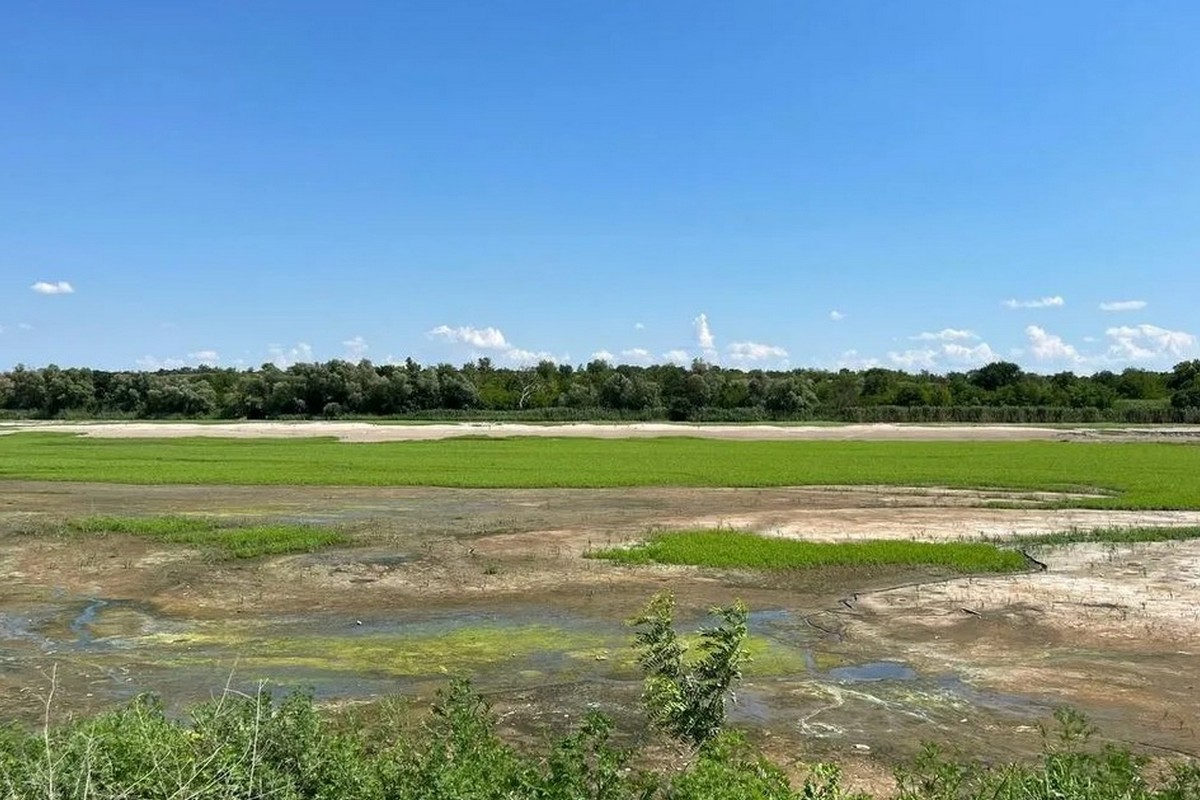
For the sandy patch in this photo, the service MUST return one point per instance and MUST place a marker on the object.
(1145, 591)
(932, 523)
(372, 432)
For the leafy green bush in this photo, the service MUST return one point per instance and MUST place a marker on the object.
(687, 699)
(1067, 769)
(250, 746)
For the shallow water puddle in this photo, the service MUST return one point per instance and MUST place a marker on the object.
(799, 677)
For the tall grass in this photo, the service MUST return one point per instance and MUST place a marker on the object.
(216, 536)
(737, 549)
(1138, 475)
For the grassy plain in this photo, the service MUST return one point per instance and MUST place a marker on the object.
(737, 549)
(1138, 475)
(229, 541)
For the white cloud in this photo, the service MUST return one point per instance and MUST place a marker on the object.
(483, 338)
(1123, 305)
(527, 358)
(1048, 347)
(754, 351)
(636, 355)
(945, 335)
(603, 355)
(836, 315)
(57, 287)
(356, 348)
(24, 326)
(152, 364)
(851, 360)
(493, 339)
(914, 359)
(951, 352)
(205, 356)
(978, 355)
(1041, 302)
(639, 326)
(1144, 342)
(300, 354)
(679, 357)
(704, 335)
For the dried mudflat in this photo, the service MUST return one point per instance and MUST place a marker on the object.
(494, 583)
(387, 432)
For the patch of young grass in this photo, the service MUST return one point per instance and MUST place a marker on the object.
(1135, 475)
(738, 549)
(264, 540)
(169, 525)
(236, 541)
(1112, 535)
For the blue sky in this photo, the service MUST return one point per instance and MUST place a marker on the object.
(758, 184)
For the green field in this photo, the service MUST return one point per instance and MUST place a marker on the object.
(738, 549)
(1139, 475)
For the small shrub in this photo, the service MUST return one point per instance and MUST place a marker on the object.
(688, 699)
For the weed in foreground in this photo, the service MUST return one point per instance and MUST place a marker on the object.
(253, 746)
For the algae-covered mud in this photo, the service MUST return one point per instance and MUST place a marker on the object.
(855, 662)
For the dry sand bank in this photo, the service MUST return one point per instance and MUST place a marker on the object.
(374, 432)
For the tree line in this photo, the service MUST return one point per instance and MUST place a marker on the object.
(998, 392)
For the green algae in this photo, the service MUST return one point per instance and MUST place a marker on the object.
(401, 654)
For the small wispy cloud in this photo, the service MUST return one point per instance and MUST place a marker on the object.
(283, 358)
(639, 326)
(836, 315)
(24, 326)
(484, 338)
(153, 364)
(527, 358)
(636, 355)
(356, 348)
(951, 352)
(1041, 302)
(743, 352)
(1123, 305)
(603, 355)
(493, 339)
(704, 337)
(850, 359)
(945, 335)
(915, 359)
(53, 287)
(678, 357)
(205, 356)
(978, 355)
